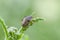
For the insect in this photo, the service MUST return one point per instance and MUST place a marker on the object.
(26, 20)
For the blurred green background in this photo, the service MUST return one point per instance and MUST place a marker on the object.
(12, 11)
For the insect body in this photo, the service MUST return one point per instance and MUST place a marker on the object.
(26, 20)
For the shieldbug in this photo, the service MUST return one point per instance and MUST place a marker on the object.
(26, 20)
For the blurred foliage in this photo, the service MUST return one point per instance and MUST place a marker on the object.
(12, 11)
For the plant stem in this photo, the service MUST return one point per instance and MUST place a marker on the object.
(21, 32)
(23, 29)
(4, 28)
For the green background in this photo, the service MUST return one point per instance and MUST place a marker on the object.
(12, 11)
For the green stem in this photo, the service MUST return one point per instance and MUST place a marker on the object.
(4, 28)
(21, 31)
